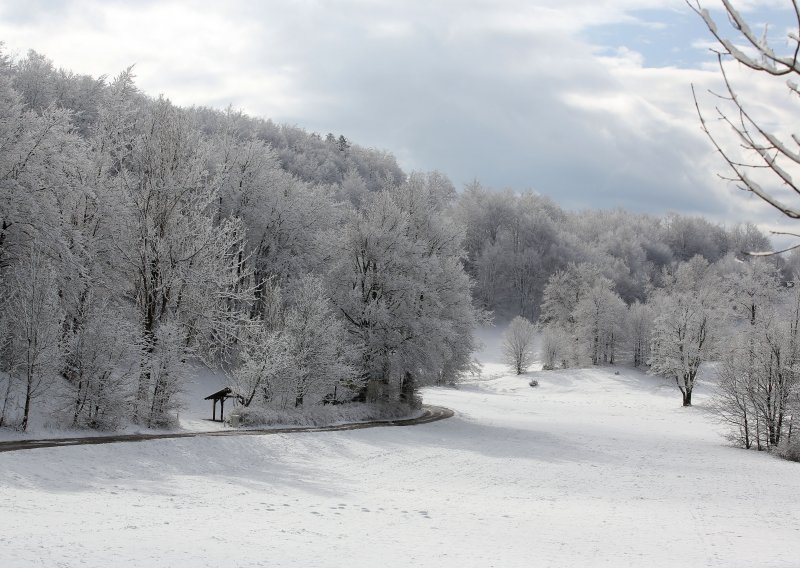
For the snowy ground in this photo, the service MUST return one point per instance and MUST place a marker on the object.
(588, 469)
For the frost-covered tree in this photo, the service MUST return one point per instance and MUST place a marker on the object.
(775, 379)
(400, 286)
(319, 359)
(103, 361)
(688, 237)
(162, 377)
(556, 348)
(564, 291)
(511, 244)
(759, 377)
(36, 350)
(518, 344)
(754, 287)
(304, 358)
(42, 164)
(690, 313)
(286, 220)
(180, 263)
(579, 302)
(639, 326)
(39, 170)
(599, 317)
(261, 360)
(732, 402)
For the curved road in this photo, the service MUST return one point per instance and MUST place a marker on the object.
(429, 414)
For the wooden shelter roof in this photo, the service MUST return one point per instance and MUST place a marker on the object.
(227, 392)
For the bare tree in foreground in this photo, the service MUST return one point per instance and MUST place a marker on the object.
(761, 148)
(518, 344)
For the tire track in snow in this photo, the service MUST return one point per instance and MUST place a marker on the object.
(429, 414)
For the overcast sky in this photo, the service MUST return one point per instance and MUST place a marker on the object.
(587, 101)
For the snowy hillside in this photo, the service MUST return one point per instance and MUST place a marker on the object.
(589, 469)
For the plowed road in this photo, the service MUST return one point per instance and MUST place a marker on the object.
(429, 414)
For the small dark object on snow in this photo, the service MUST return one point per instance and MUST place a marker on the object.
(534, 383)
(616, 372)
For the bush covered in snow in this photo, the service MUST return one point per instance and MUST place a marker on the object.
(518, 344)
(790, 450)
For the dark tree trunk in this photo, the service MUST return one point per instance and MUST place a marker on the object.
(687, 397)
(8, 396)
(78, 404)
(27, 411)
(407, 388)
(747, 442)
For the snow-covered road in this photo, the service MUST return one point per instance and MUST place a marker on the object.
(588, 469)
(425, 415)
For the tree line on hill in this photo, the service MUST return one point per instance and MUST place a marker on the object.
(138, 238)
(740, 318)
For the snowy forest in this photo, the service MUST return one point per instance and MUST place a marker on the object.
(138, 238)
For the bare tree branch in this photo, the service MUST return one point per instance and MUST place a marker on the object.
(767, 150)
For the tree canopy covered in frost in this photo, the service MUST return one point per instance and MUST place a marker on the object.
(687, 328)
(137, 236)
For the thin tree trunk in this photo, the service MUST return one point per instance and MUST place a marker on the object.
(407, 388)
(6, 398)
(27, 411)
(28, 386)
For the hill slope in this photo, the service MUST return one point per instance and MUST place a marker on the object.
(588, 469)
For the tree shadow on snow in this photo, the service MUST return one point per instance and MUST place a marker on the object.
(503, 442)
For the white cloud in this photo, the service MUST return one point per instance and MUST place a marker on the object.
(512, 92)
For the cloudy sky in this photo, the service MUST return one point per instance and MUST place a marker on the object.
(587, 101)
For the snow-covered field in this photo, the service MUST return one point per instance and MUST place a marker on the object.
(588, 469)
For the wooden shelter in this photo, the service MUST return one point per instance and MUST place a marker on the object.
(220, 396)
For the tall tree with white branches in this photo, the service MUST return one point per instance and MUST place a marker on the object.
(686, 331)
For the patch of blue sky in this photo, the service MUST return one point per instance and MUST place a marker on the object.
(678, 37)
